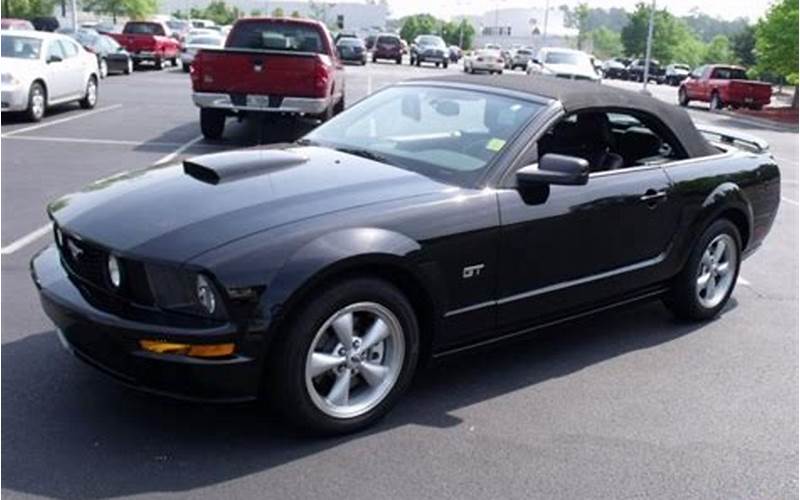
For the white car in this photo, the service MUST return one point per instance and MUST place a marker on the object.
(563, 63)
(41, 69)
(194, 44)
(484, 60)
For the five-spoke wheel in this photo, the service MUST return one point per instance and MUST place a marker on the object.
(716, 271)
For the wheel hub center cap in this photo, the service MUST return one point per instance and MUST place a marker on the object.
(354, 360)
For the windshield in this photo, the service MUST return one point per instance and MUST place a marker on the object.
(205, 40)
(565, 58)
(144, 29)
(447, 134)
(21, 47)
(430, 40)
(276, 36)
(351, 42)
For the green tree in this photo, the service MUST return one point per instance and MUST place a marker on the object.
(606, 43)
(277, 12)
(28, 8)
(420, 24)
(256, 13)
(580, 18)
(296, 14)
(776, 42)
(458, 33)
(134, 9)
(719, 50)
(689, 49)
(743, 45)
(669, 33)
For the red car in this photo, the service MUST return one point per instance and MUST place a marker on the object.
(721, 86)
(16, 24)
(388, 46)
(149, 41)
(268, 65)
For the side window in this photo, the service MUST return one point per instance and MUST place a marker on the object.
(54, 49)
(69, 48)
(611, 140)
(698, 72)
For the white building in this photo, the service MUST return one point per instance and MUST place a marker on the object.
(535, 26)
(359, 17)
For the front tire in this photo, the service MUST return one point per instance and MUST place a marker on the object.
(90, 99)
(707, 280)
(683, 97)
(37, 102)
(129, 67)
(103, 68)
(212, 123)
(346, 358)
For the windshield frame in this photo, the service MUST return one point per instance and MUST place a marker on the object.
(493, 169)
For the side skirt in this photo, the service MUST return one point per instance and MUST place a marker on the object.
(650, 294)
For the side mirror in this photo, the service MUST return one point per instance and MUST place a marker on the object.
(54, 59)
(555, 169)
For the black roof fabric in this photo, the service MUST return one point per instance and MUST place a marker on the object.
(583, 95)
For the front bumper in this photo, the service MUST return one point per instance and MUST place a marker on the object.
(487, 66)
(432, 57)
(268, 104)
(111, 343)
(14, 98)
(146, 56)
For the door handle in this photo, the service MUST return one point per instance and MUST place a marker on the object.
(652, 197)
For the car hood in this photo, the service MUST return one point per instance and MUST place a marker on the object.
(176, 212)
(570, 69)
(20, 68)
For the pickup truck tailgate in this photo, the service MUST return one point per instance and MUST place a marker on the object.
(241, 71)
(743, 90)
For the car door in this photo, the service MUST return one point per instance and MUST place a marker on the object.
(57, 74)
(581, 245)
(75, 66)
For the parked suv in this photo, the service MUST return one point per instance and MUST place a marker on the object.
(676, 73)
(388, 46)
(655, 72)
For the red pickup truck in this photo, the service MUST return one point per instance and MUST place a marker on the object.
(149, 41)
(722, 86)
(268, 65)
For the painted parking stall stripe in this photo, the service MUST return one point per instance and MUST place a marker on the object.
(62, 120)
(174, 154)
(26, 240)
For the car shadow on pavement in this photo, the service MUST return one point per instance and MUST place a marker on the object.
(68, 431)
(57, 111)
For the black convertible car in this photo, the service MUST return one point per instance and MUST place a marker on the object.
(432, 216)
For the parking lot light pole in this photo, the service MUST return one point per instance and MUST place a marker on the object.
(649, 49)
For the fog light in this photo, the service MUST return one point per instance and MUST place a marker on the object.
(205, 294)
(114, 275)
(196, 350)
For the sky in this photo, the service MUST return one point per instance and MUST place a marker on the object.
(726, 9)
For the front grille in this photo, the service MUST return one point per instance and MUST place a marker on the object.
(89, 263)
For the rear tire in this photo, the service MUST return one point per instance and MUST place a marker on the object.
(339, 107)
(303, 394)
(399, 60)
(186, 67)
(709, 276)
(37, 102)
(212, 123)
(444, 65)
(715, 103)
(128, 67)
(159, 64)
(90, 99)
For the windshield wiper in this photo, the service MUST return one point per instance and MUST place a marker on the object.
(365, 153)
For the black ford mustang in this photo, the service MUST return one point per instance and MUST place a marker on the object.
(432, 216)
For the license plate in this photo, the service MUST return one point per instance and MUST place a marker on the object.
(258, 101)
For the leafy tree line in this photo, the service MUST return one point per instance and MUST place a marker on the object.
(453, 32)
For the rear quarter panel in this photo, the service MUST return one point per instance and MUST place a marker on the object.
(708, 187)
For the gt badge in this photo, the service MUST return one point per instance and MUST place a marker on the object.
(471, 271)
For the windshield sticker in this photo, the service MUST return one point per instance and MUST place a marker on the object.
(495, 144)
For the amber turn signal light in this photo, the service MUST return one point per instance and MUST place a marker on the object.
(195, 350)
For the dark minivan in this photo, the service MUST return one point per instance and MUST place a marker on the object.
(388, 46)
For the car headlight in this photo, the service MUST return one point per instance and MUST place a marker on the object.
(206, 296)
(114, 274)
(9, 79)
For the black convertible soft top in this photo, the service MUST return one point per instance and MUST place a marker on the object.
(582, 96)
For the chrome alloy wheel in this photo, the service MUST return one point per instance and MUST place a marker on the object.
(91, 92)
(355, 360)
(37, 102)
(716, 271)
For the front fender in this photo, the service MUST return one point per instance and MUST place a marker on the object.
(336, 252)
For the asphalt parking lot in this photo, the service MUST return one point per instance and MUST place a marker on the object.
(626, 404)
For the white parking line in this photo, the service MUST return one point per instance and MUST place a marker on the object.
(791, 202)
(178, 151)
(112, 142)
(62, 120)
(742, 281)
(25, 240)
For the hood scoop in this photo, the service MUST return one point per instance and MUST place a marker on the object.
(217, 168)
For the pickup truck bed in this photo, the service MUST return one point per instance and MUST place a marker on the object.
(148, 42)
(268, 65)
